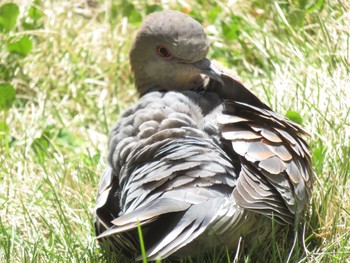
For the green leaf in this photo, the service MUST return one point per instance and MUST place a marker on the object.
(40, 147)
(142, 244)
(153, 8)
(67, 138)
(41, 144)
(5, 72)
(296, 18)
(33, 20)
(318, 158)
(35, 13)
(7, 96)
(302, 4)
(316, 6)
(232, 28)
(90, 161)
(4, 129)
(294, 116)
(8, 16)
(213, 14)
(23, 46)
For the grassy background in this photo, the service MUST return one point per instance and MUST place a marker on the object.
(74, 81)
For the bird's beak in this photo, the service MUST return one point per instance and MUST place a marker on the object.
(206, 67)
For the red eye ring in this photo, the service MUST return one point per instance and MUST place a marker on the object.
(163, 52)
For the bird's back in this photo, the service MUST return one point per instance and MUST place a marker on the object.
(172, 175)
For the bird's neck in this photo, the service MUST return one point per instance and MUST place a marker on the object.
(145, 85)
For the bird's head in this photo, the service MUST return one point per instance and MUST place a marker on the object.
(169, 53)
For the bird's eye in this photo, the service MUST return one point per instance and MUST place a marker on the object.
(163, 52)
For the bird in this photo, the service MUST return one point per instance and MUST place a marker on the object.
(198, 162)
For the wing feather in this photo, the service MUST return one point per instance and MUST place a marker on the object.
(273, 153)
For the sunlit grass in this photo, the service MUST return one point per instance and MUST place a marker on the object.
(76, 80)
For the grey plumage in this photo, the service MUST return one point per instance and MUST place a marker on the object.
(198, 161)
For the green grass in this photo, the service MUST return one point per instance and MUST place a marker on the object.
(75, 80)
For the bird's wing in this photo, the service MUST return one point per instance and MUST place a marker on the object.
(175, 182)
(106, 188)
(276, 173)
(189, 188)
